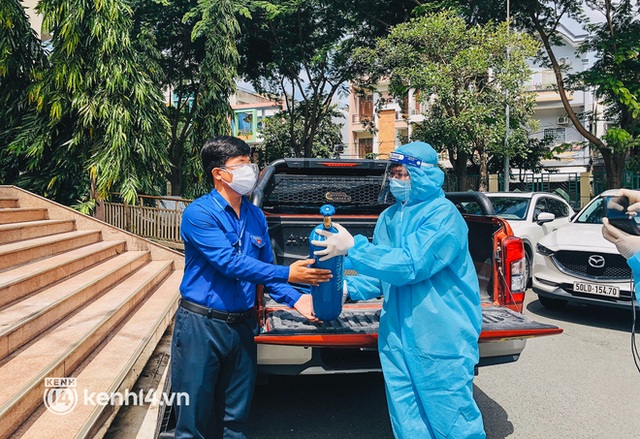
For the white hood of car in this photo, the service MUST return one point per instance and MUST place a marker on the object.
(579, 237)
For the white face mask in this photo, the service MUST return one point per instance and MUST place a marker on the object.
(244, 178)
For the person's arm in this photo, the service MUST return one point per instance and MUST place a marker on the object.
(279, 291)
(206, 235)
(283, 292)
(203, 231)
(634, 263)
(363, 287)
(426, 251)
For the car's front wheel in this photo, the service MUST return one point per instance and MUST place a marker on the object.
(550, 303)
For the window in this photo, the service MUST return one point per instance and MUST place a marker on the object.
(365, 107)
(511, 208)
(541, 206)
(557, 135)
(558, 208)
(365, 146)
(593, 213)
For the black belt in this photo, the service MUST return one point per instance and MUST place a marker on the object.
(229, 317)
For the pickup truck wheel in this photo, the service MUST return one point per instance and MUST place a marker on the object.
(550, 303)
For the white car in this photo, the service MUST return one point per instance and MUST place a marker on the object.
(532, 216)
(576, 264)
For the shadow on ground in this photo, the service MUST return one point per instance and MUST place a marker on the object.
(496, 419)
(325, 406)
(589, 315)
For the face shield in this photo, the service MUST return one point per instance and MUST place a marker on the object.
(397, 179)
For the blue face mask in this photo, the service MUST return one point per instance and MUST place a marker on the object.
(400, 189)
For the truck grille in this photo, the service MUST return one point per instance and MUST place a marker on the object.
(312, 191)
(577, 264)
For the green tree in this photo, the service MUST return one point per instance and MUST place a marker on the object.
(99, 115)
(22, 61)
(614, 76)
(462, 73)
(197, 61)
(278, 141)
(301, 50)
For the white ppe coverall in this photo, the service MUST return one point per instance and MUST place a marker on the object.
(431, 316)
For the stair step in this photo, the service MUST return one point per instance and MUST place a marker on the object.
(8, 202)
(115, 367)
(26, 279)
(17, 253)
(22, 321)
(60, 350)
(22, 214)
(34, 229)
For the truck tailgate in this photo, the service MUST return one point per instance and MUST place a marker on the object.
(357, 326)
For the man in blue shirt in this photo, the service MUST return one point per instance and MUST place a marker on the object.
(227, 252)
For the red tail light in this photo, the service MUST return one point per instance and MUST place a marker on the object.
(514, 272)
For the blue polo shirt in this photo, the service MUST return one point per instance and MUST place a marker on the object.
(226, 256)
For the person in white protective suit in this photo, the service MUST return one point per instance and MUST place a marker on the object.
(431, 316)
(628, 245)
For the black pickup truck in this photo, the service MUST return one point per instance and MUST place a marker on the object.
(291, 191)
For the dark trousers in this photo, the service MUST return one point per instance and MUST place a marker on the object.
(215, 364)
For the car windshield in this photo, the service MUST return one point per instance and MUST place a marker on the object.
(510, 208)
(593, 213)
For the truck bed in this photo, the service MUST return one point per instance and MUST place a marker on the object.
(497, 322)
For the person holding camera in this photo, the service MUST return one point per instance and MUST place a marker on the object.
(628, 245)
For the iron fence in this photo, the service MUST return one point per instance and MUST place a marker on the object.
(451, 183)
(630, 180)
(564, 184)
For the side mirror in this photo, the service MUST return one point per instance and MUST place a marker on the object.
(545, 217)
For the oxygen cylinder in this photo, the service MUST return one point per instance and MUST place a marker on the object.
(327, 297)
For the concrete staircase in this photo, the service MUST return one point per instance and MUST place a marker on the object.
(78, 299)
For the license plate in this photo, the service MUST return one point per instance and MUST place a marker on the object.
(599, 290)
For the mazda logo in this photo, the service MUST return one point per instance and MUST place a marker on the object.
(596, 261)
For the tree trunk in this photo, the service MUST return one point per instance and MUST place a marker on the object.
(561, 91)
(484, 175)
(175, 176)
(459, 161)
(614, 168)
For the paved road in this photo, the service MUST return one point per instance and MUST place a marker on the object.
(581, 384)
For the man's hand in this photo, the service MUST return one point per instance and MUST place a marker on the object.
(299, 272)
(337, 244)
(304, 306)
(628, 245)
(634, 199)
